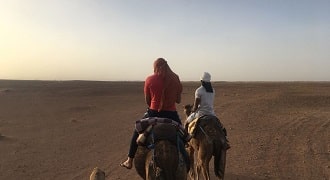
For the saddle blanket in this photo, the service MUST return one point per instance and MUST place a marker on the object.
(142, 124)
(193, 124)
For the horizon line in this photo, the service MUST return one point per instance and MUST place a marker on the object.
(216, 81)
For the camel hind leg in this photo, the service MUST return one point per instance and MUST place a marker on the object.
(203, 164)
(205, 169)
(219, 160)
(197, 171)
(191, 153)
(223, 164)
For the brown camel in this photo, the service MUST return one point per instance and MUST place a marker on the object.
(97, 174)
(160, 158)
(208, 140)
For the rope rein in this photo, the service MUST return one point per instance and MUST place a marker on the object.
(209, 140)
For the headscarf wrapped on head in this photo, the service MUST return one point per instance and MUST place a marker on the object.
(206, 82)
(161, 67)
(170, 78)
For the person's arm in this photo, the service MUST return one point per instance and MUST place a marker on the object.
(196, 104)
(146, 91)
(148, 99)
(178, 98)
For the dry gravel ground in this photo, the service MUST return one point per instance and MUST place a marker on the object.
(62, 130)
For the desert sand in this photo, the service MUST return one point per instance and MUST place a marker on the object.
(61, 130)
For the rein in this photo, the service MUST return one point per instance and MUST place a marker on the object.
(207, 136)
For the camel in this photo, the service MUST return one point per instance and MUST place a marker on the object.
(161, 159)
(208, 140)
(97, 174)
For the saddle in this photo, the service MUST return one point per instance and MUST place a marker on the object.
(192, 126)
(159, 129)
(142, 124)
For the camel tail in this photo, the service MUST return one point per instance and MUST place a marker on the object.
(219, 172)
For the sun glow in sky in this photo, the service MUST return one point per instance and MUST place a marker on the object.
(234, 40)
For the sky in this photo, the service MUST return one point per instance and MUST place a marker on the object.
(118, 40)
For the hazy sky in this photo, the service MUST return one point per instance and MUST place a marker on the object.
(234, 40)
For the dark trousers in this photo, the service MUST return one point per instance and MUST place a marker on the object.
(164, 114)
(133, 146)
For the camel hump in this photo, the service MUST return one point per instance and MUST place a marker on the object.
(165, 131)
(209, 120)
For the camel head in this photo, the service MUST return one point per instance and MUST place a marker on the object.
(187, 109)
(97, 174)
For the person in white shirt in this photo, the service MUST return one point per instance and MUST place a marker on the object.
(203, 104)
(204, 99)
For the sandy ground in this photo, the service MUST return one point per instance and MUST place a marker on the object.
(62, 130)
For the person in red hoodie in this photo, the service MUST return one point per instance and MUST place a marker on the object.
(162, 91)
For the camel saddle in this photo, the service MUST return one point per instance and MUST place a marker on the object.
(143, 124)
(194, 123)
(155, 129)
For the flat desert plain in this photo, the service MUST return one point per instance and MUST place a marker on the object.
(61, 130)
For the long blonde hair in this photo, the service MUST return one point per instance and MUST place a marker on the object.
(163, 69)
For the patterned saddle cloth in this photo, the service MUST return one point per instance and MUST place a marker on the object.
(192, 126)
(161, 129)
